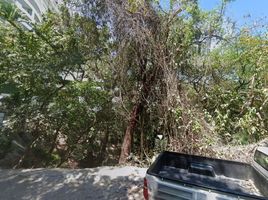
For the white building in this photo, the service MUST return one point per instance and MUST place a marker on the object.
(34, 9)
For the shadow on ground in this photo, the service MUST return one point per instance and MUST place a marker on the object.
(98, 183)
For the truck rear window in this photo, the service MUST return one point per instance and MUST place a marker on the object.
(261, 159)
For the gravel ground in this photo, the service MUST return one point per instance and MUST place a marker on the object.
(97, 183)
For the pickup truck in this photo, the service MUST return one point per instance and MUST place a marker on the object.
(188, 177)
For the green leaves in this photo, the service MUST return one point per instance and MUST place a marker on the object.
(56, 92)
(8, 11)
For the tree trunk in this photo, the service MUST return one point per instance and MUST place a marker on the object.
(104, 140)
(142, 139)
(126, 146)
(136, 110)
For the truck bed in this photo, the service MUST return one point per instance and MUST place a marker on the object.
(238, 185)
(231, 177)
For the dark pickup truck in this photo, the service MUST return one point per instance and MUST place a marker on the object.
(188, 177)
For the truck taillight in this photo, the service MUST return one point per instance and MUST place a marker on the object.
(145, 189)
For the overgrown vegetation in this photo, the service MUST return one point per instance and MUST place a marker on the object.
(105, 77)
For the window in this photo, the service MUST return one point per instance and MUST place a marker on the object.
(26, 7)
(36, 19)
(29, 10)
(35, 6)
(261, 159)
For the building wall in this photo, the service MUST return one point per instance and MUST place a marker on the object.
(34, 9)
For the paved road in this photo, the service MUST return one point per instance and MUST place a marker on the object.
(48, 184)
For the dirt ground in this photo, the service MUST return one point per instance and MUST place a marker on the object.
(122, 183)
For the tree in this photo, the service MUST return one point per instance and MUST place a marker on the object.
(57, 96)
(153, 46)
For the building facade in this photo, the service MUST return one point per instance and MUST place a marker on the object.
(34, 9)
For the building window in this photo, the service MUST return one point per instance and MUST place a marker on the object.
(36, 19)
(29, 10)
(35, 6)
(26, 7)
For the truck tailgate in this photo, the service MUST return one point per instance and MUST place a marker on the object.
(160, 189)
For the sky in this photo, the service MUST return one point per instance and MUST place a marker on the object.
(238, 9)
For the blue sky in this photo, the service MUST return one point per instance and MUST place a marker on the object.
(238, 9)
